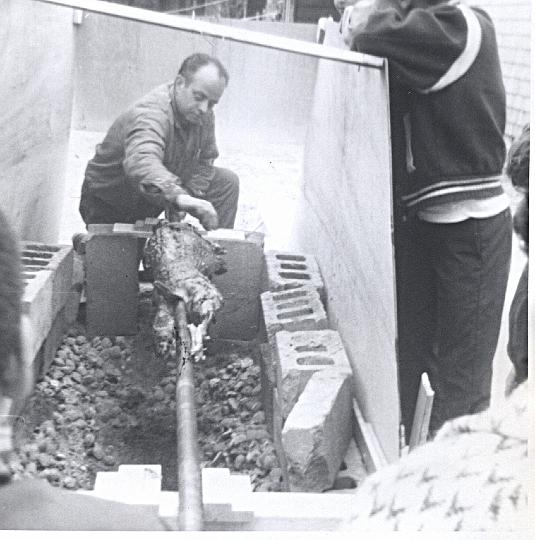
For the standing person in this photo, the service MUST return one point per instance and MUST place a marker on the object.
(30, 504)
(159, 154)
(472, 476)
(452, 219)
(517, 168)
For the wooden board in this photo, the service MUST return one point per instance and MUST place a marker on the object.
(36, 59)
(422, 414)
(345, 220)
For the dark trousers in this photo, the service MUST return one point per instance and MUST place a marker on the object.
(451, 281)
(223, 193)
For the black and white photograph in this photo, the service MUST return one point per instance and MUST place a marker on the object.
(264, 267)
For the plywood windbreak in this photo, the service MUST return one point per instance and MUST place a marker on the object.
(345, 220)
(118, 61)
(36, 89)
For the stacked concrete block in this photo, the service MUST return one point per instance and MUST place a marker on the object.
(290, 310)
(293, 310)
(306, 376)
(316, 434)
(226, 499)
(50, 298)
(299, 355)
(290, 270)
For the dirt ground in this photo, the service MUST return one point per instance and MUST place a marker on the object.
(108, 401)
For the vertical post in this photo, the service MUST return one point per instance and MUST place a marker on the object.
(422, 414)
(289, 10)
(190, 508)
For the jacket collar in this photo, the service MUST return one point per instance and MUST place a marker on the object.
(178, 120)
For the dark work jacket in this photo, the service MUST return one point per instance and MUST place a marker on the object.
(148, 157)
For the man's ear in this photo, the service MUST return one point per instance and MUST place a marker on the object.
(180, 81)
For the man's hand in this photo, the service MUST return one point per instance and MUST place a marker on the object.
(199, 208)
(354, 17)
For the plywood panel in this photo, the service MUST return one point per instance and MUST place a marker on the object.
(345, 220)
(118, 61)
(36, 48)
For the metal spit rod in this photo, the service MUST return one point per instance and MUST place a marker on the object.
(190, 506)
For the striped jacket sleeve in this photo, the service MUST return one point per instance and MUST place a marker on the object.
(428, 49)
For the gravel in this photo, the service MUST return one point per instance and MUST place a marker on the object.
(109, 400)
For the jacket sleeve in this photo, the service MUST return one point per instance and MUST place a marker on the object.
(204, 170)
(144, 154)
(423, 46)
(517, 346)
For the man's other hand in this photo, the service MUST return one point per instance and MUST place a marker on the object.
(354, 17)
(199, 208)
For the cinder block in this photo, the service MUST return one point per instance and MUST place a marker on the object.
(111, 284)
(240, 285)
(290, 270)
(63, 320)
(226, 497)
(316, 434)
(293, 310)
(300, 354)
(268, 382)
(48, 277)
(131, 484)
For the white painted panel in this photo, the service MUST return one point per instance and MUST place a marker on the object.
(345, 220)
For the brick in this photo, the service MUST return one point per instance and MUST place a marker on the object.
(300, 354)
(317, 432)
(111, 284)
(290, 270)
(240, 285)
(293, 310)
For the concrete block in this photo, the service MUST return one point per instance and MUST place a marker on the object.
(277, 440)
(48, 277)
(293, 310)
(300, 354)
(316, 434)
(62, 322)
(111, 284)
(226, 497)
(268, 382)
(240, 285)
(290, 270)
(131, 484)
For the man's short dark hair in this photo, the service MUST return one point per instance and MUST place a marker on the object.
(196, 61)
(10, 299)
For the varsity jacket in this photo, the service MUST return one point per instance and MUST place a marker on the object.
(444, 68)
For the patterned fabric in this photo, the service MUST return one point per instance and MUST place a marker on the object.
(471, 477)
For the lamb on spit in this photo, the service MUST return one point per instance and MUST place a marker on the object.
(182, 261)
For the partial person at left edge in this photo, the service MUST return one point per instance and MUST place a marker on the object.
(27, 503)
(159, 155)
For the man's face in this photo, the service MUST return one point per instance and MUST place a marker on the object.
(194, 98)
